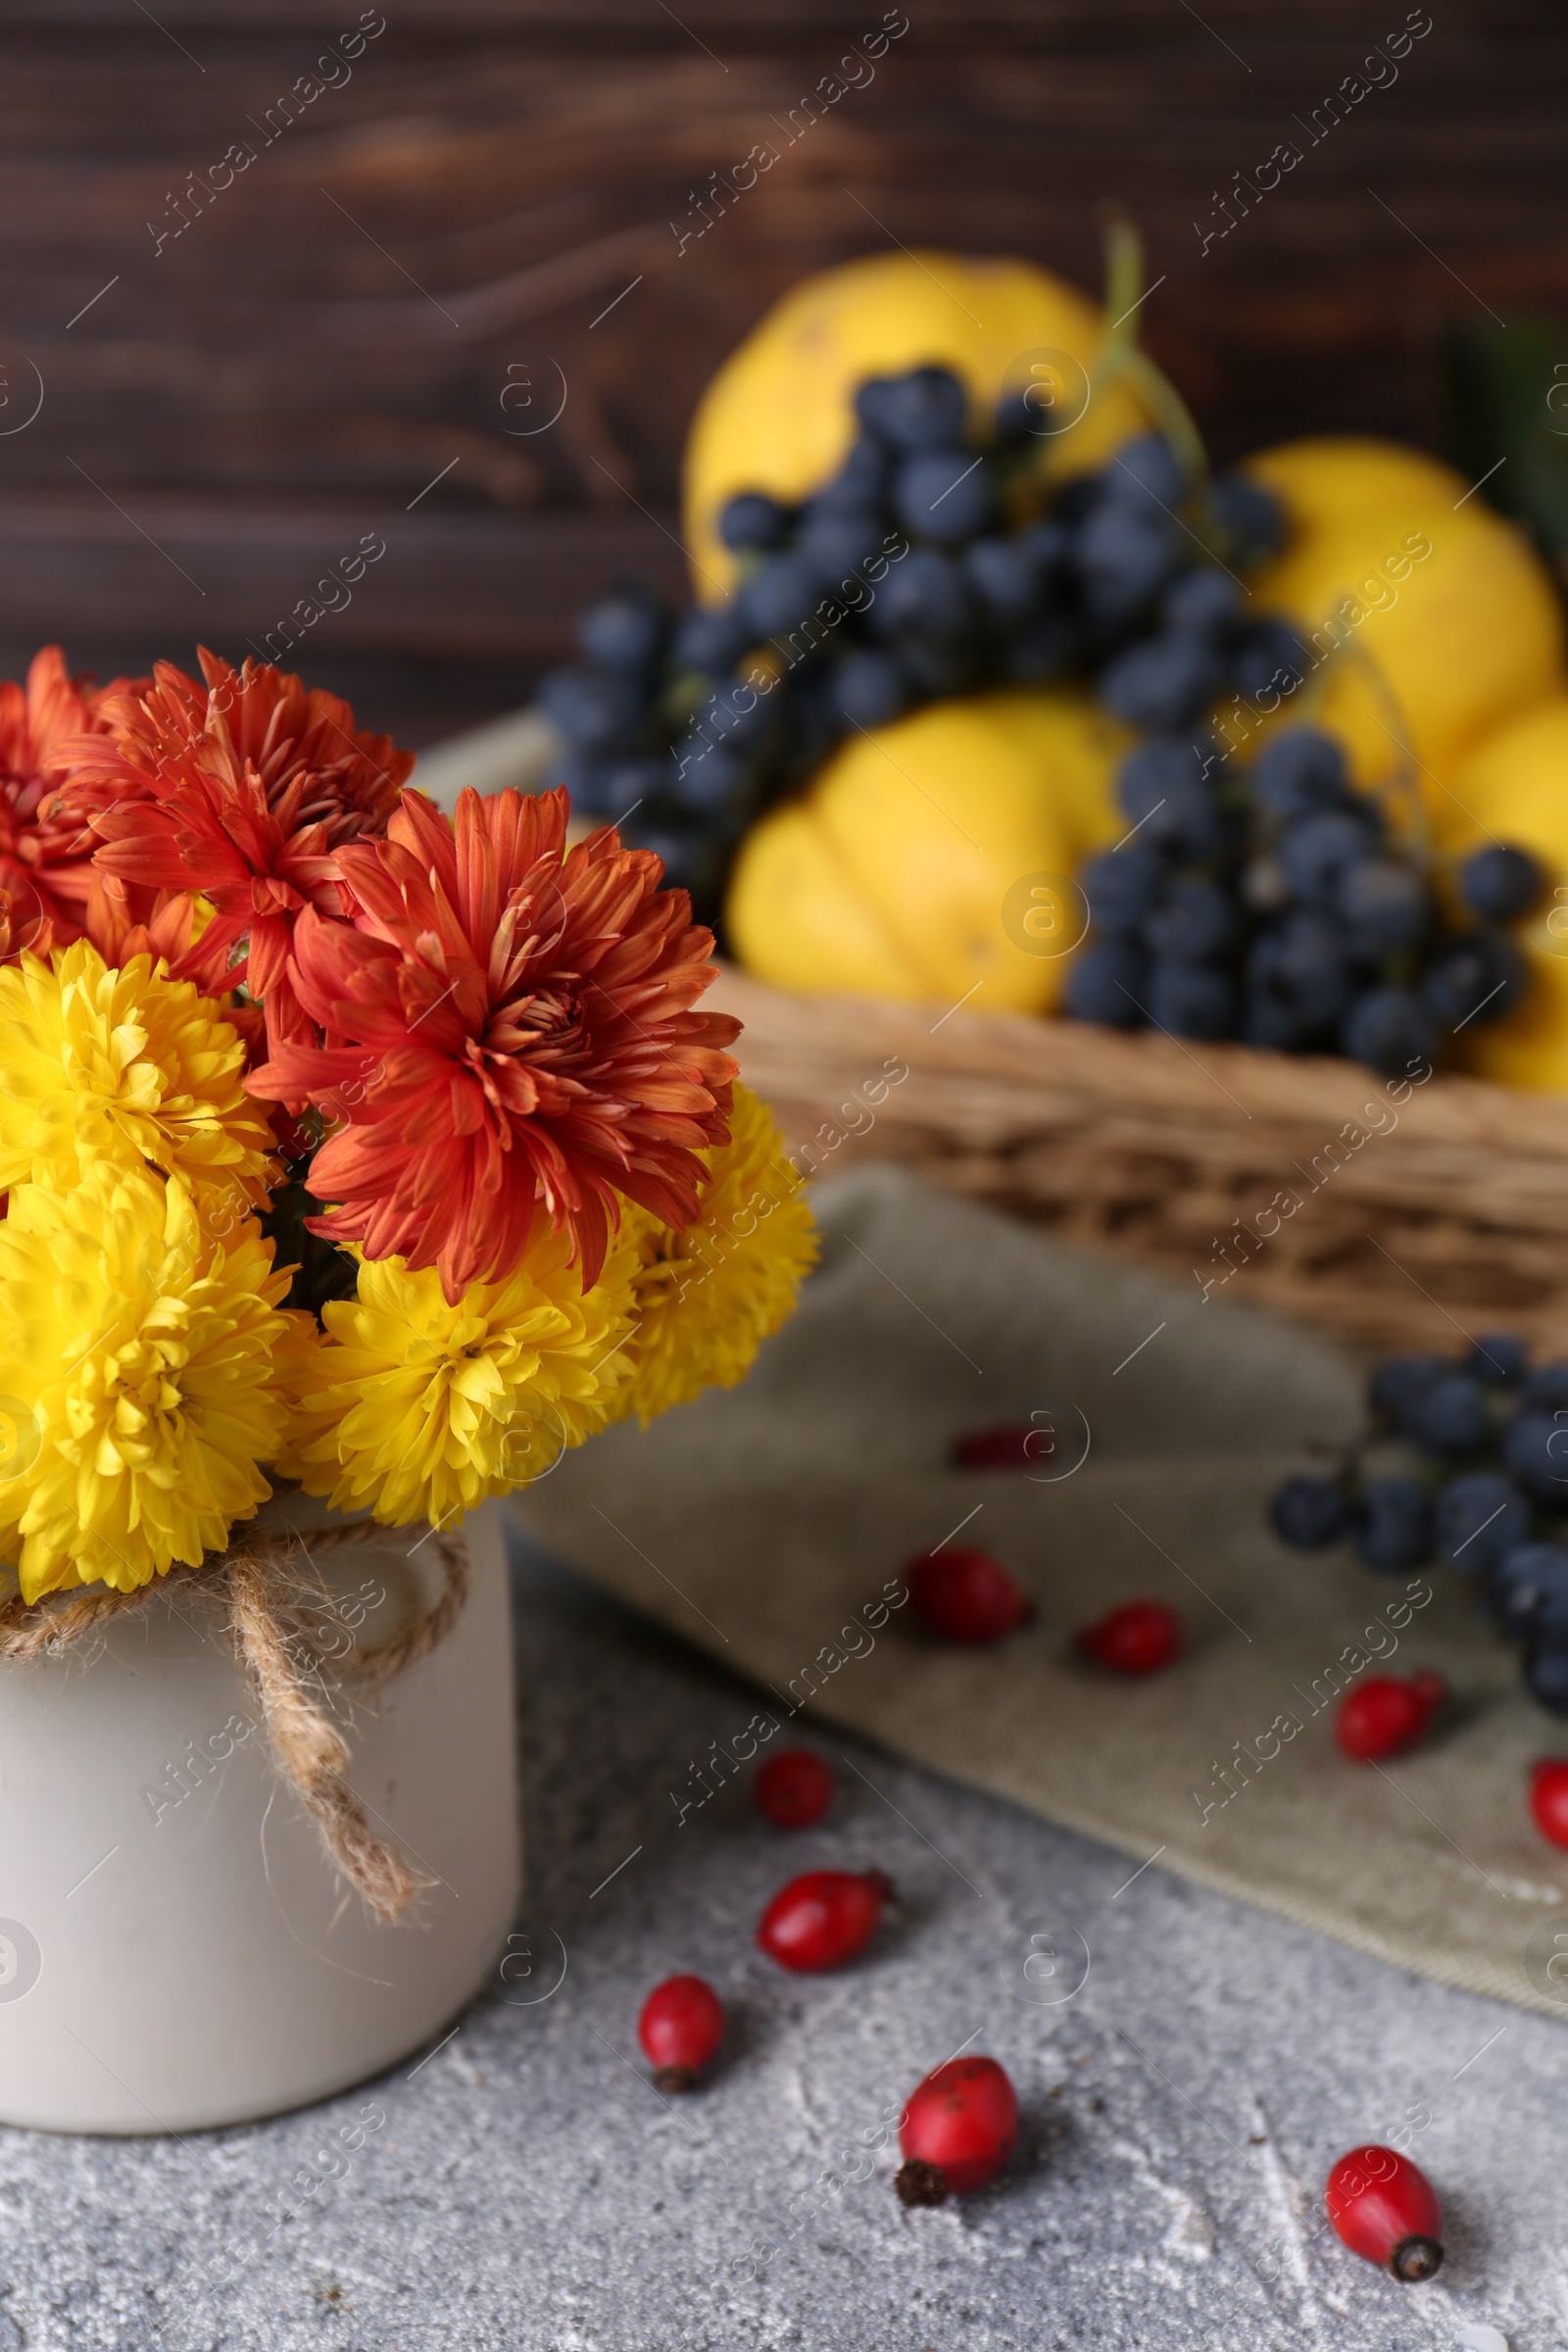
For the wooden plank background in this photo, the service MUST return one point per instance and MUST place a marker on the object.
(225, 412)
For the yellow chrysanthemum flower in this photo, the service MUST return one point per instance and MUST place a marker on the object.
(127, 1069)
(708, 1294)
(418, 1409)
(139, 1386)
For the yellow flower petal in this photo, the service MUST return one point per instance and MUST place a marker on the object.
(126, 1069)
(418, 1411)
(708, 1294)
(140, 1380)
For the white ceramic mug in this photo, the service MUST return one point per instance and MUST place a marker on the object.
(175, 1950)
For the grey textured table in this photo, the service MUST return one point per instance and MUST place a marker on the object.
(528, 2188)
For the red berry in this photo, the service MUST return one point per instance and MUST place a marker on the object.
(1140, 1637)
(1016, 1446)
(794, 1788)
(1381, 1716)
(967, 1595)
(681, 2026)
(823, 1918)
(1386, 2209)
(958, 2131)
(1548, 1799)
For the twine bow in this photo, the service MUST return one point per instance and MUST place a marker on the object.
(271, 1618)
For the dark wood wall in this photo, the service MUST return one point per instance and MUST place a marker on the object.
(228, 411)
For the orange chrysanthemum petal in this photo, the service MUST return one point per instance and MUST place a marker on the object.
(45, 844)
(506, 1030)
(246, 789)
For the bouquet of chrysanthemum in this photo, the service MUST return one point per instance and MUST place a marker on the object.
(349, 1146)
(344, 1142)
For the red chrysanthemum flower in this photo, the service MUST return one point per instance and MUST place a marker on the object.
(506, 1031)
(45, 845)
(245, 790)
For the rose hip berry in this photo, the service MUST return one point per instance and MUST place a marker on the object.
(1016, 1446)
(957, 2131)
(1381, 1716)
(1548, 1799)
(681, 2026)
(794, 1788)
(823, 1918)
(1140, 1637)
(967, 1595)
(1385, 2209)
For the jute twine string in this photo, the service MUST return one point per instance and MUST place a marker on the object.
(272, 1616)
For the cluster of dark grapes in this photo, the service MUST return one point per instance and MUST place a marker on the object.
(930, 565)
(1490, 1498)
(1276, 905)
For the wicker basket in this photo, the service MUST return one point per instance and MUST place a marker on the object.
(1448, 1216)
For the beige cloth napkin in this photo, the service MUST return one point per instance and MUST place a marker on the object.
(771, 1525)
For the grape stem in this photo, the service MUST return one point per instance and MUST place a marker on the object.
(1121, 356)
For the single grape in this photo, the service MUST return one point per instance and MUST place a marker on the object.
(871, 400)
(1394, 1523)
(836, 541)
(1121, 887)
(1298, 967)
(1205, 600)
(781, 594)
(1195, 921)
(1160, 788)
(1249, 516)
(1318, 852)
(1268, 658)
(1534, 1445)
(944, 494)
(812, 724)
(1475, 977)
(1500, 1360)
(1004, 577)
(1107, 981)
(1477, 1517)
(863, 478)
(752, 519)
(1020, 419)
(712, 641)
(1384, 907)
(1391, 1030)
(1402, 1381)
(1308, 1512)
(1528, 1590)
(1546, 1675)
(1145, 472)
(923, 410)
(1548, 1385)
(611, 789)
(868, 689)
(1160, 682)
(1272, 1026)
(736, 714)
(1125, 556)
(692, 861)
(625, 630)
(1450, 1417)
(707, 777)
(1301, 773)
(594, 709)
(924, 594)
(1501, 883)
(1190, 1000)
